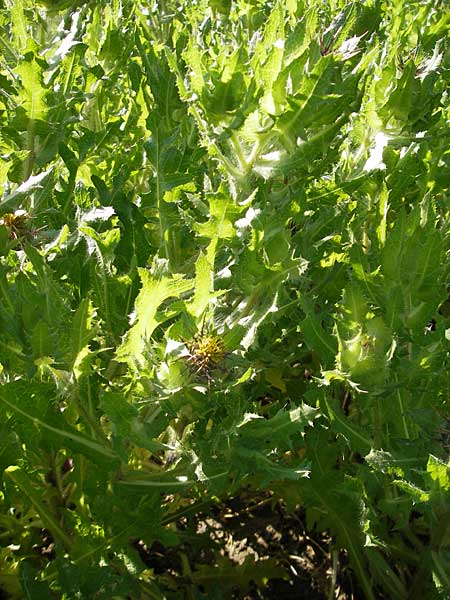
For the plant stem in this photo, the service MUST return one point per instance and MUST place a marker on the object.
(334, 555)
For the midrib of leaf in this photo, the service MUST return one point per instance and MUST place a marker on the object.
(353, 550)
(153, 292)
(273, 62)
(312, 141)
(19, 24)
(20, 478)
(289, 125)
(441, 568)
(32, 96)
(203, 284)
(343, 422)
(80, 327)
(92, 444)
(401, 410)
(321, 336)
(32, 93)
(69, 75)
(365, 280)
(162, 225)
(209, 140)
(418, 278)
(150, 481)
(9, 54)
(355, 304)
(401, 244)
(158, 169)
(220, 224)
(6, 297)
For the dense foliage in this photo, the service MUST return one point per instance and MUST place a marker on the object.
(224, 263)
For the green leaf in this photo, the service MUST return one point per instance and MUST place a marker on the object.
(21, 37)
(34, 182)
(32, 404)
(203, 287)
(23, 482)
(317, 338)
(126, 423)
(155, 289)
(32, 96)
(439, 473)
(356, 436)
(228, 575)
(328, 493)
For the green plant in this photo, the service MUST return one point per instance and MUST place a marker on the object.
(278, 171)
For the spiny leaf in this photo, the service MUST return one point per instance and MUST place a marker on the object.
(32, 95)
(155, 289)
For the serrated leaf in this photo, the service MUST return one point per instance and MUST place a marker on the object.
(356, 436)
(329, 493)
(19, 21)
(439, 473)
(23, 482)
(227, 574)
(316, 336)
(82, 327)
(32, 96)
(34, 182)
(155, 289)
(281, 426)
(126, 424)
(33, 406)
(202, 287)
